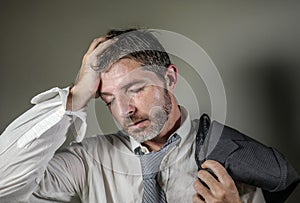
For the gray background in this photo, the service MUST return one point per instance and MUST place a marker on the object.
(254, 44)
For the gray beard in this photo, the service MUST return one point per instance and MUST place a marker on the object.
(158, 118)
(157, 124)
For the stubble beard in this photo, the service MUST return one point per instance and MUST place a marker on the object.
(158, 117)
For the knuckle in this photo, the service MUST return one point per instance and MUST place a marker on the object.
(86, 57)
(221, 194)
(96, 39)
(231, 185)
(214, 163)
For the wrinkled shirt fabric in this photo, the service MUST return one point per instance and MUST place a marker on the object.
(101, 168)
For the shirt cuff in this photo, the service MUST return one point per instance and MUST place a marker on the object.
(59, 110)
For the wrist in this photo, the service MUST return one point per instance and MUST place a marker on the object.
(69, 100)
(75, 101)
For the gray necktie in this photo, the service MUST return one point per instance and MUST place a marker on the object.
(150, 166)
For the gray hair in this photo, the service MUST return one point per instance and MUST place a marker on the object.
(139, 45)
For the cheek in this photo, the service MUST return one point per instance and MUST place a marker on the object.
(150, 98)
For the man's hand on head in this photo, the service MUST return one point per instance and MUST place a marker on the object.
(222, 189)
(88, 80)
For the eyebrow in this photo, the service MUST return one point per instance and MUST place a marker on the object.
(126, 87)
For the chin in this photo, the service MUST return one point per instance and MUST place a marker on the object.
(143, 138)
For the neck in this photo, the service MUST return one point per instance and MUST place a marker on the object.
(172, 124)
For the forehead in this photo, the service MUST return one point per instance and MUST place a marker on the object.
(123, 72)
(121, 69)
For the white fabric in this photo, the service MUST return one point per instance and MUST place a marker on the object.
(100, 169)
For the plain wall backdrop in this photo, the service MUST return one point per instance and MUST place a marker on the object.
(254, 44)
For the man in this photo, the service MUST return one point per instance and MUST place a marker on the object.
(134, 76)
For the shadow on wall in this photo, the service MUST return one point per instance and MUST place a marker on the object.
(277, 80)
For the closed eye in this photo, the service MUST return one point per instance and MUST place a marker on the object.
(107, 98)
(109, 103)
(136, 90)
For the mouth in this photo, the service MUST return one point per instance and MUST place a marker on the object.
(139, 123)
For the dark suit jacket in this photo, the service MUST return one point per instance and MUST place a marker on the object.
(246, 160)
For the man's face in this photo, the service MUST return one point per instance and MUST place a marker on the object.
(137, 99)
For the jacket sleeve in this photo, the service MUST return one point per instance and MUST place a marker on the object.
(29, 143)
(251, 162)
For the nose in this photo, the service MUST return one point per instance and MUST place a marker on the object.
(125, 107)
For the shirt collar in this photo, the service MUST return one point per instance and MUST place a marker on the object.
(182, 131)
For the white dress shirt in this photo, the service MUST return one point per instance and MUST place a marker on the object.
(101, 168)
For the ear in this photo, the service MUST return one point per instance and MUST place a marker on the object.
(171, 77)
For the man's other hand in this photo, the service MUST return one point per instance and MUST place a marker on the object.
(222, 189)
